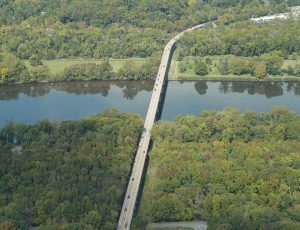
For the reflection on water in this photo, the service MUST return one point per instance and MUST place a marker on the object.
(201, 87)
(75, 100)
(72, 100)
(129, 88)
(269, 89)
(195, 96)
(12, 92)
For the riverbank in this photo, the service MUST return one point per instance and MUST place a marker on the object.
(184, 69)
(58, 65)
(191, 78)
(36, 70)
(236, 78)
(75, 100)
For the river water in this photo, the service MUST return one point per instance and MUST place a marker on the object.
(76, 100)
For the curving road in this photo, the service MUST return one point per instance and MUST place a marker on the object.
(139, 162)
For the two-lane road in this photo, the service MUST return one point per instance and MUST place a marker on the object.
(139, 162)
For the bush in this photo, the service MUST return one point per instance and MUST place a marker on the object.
(201, 68)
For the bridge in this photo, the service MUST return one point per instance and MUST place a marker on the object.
(139, 161)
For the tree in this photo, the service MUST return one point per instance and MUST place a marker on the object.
(226, 176)
(208, 61)
(182, 67)
(35, 61)
(240, 67)
(13, 68)
(25, 76)
(201, 68)
(297, 70)
(149, 69)
(128, 70)
(91, 175)
(274, 61)
(260, 71)
(106, 68)
(40, 73)
(223, 67)
(3, 72)
(290, 70)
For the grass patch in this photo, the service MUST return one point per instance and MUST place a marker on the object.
(292, 63)
(58, 65)
(214, 73)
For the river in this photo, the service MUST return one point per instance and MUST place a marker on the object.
(75, 100)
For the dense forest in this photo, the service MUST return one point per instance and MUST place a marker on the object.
(38, 29)
(110, 28)
(245, 38)
(68, 175)
(235, 170)
(266, 46)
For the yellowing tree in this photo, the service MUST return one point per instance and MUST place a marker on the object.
(260, 71)
(3, 72)
(192, 3)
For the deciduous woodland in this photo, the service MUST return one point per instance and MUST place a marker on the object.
(40, 30)
(109, 28)
(235, 170)
(68, 175)
(242, 48)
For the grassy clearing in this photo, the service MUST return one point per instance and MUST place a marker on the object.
(56, 66)
(214, 73)
(292, 63)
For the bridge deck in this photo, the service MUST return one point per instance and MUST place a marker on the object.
(139, 162)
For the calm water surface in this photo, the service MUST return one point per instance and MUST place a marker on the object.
(75, 100)
(193, 97)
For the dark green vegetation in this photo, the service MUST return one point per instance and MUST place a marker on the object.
(265, 45)
(13, 70)
(68, 175)
(38, 29)
(108, 28)
(237, 171)
(104, 71)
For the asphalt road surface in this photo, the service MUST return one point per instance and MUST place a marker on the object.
(139, 162)
(138, 166)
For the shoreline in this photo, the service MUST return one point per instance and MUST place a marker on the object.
(210, 78)
(200, 78)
